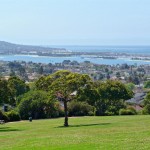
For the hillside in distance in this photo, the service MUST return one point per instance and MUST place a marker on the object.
(8, 48)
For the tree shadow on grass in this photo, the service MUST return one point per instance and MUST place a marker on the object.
(8, 129)
(85, 125)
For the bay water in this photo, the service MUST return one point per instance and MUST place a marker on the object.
(142, 50)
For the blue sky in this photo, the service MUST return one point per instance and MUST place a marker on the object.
(75, 22)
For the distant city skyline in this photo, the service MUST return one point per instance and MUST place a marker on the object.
(75, 22)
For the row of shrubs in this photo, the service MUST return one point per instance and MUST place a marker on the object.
(10, 116)
(132, 111)
(84, 109)
(78, 109)
(75, 109)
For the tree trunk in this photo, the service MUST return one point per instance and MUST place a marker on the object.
(66, 114)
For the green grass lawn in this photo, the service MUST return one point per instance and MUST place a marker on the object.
(84, 133)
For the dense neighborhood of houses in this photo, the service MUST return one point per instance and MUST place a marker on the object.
(30, 71)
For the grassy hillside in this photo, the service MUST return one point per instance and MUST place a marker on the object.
(89, 133)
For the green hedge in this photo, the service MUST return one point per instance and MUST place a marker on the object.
(13, 116)
(80, 109)
(128, 111)
(3, 116)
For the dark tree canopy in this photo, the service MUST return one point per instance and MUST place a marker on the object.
(63, 81)
(112, 97)
(114, 90)
(4, 91)
(17, 86)
(10, 89)
(37, 104)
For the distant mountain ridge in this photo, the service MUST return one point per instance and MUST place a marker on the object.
(10, 47)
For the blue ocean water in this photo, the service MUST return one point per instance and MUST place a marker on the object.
(119, 49)
(46, 59)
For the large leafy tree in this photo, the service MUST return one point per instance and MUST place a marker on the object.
(89, 93)
(37, 104)
(4, 92)
(146, 104)
(63, 85)
(112, 97)
(17, 87)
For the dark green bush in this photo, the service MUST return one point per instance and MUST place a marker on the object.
(38, 104)
(3, 116)
(146, 110)
(80, 109)
(61, 112)
(131, 108)
(128, 111)
(13, 116)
